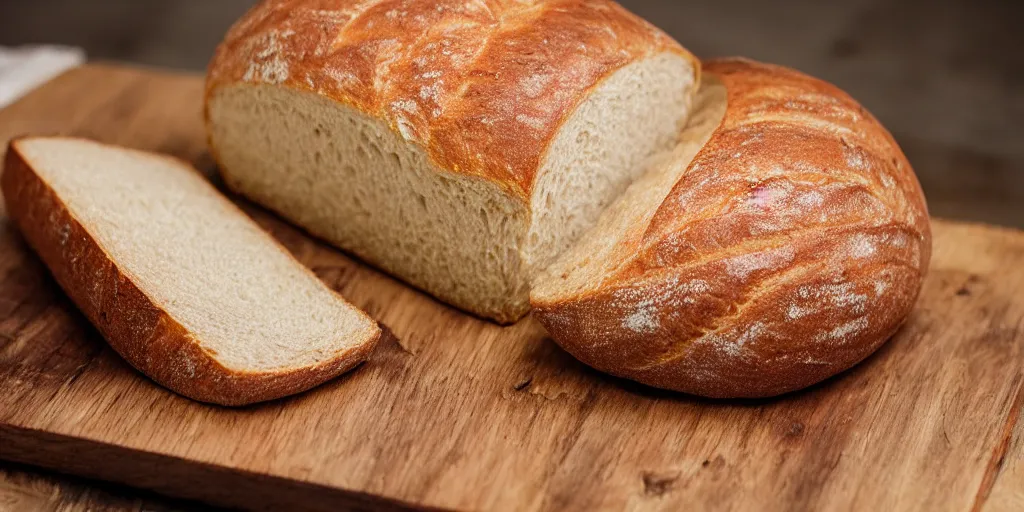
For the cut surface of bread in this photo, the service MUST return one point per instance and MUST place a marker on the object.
(597, 255)
(631, 118)
(350, 179)
(130, 234)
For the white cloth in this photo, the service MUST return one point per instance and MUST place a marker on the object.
(24, 68)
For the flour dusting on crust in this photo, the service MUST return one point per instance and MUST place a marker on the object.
(743, 265)
(861, 246)
(268, 63)
(845, 330)
(645, 303)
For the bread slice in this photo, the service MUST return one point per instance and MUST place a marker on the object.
(460, 149)
(180, 281)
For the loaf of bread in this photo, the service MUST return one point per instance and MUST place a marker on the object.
(460, 145)
(181, 282)
(500, 153)
(783, 242)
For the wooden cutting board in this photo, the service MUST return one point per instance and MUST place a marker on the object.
(454, 412)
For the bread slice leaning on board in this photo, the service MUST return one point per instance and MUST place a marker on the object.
(180, 281)
(783, 242)
(460, 146)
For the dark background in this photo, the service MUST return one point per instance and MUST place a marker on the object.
(946, 76)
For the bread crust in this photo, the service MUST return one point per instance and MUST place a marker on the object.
(135, 327)
(482, 85)
(793, 246)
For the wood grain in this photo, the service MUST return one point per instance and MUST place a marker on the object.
(1003, 488)
(25, 489)
(454, 412)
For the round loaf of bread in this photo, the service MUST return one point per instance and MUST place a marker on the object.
(783, 242)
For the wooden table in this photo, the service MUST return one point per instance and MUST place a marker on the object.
(24, 488)
(455, 412)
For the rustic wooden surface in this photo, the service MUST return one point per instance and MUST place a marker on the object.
(454, 412)
(25, 489)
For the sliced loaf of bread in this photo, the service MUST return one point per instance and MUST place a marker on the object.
(458, 146)
(180, 281)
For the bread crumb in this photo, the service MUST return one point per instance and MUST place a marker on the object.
(405, 128)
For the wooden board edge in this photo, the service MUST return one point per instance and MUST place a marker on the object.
(101, 67)
(998, 229)
(25, 487)
(995, 493)
(180, 478)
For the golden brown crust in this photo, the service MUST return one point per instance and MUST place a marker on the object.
(793, 246)
(139, 330)
(450, 75)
